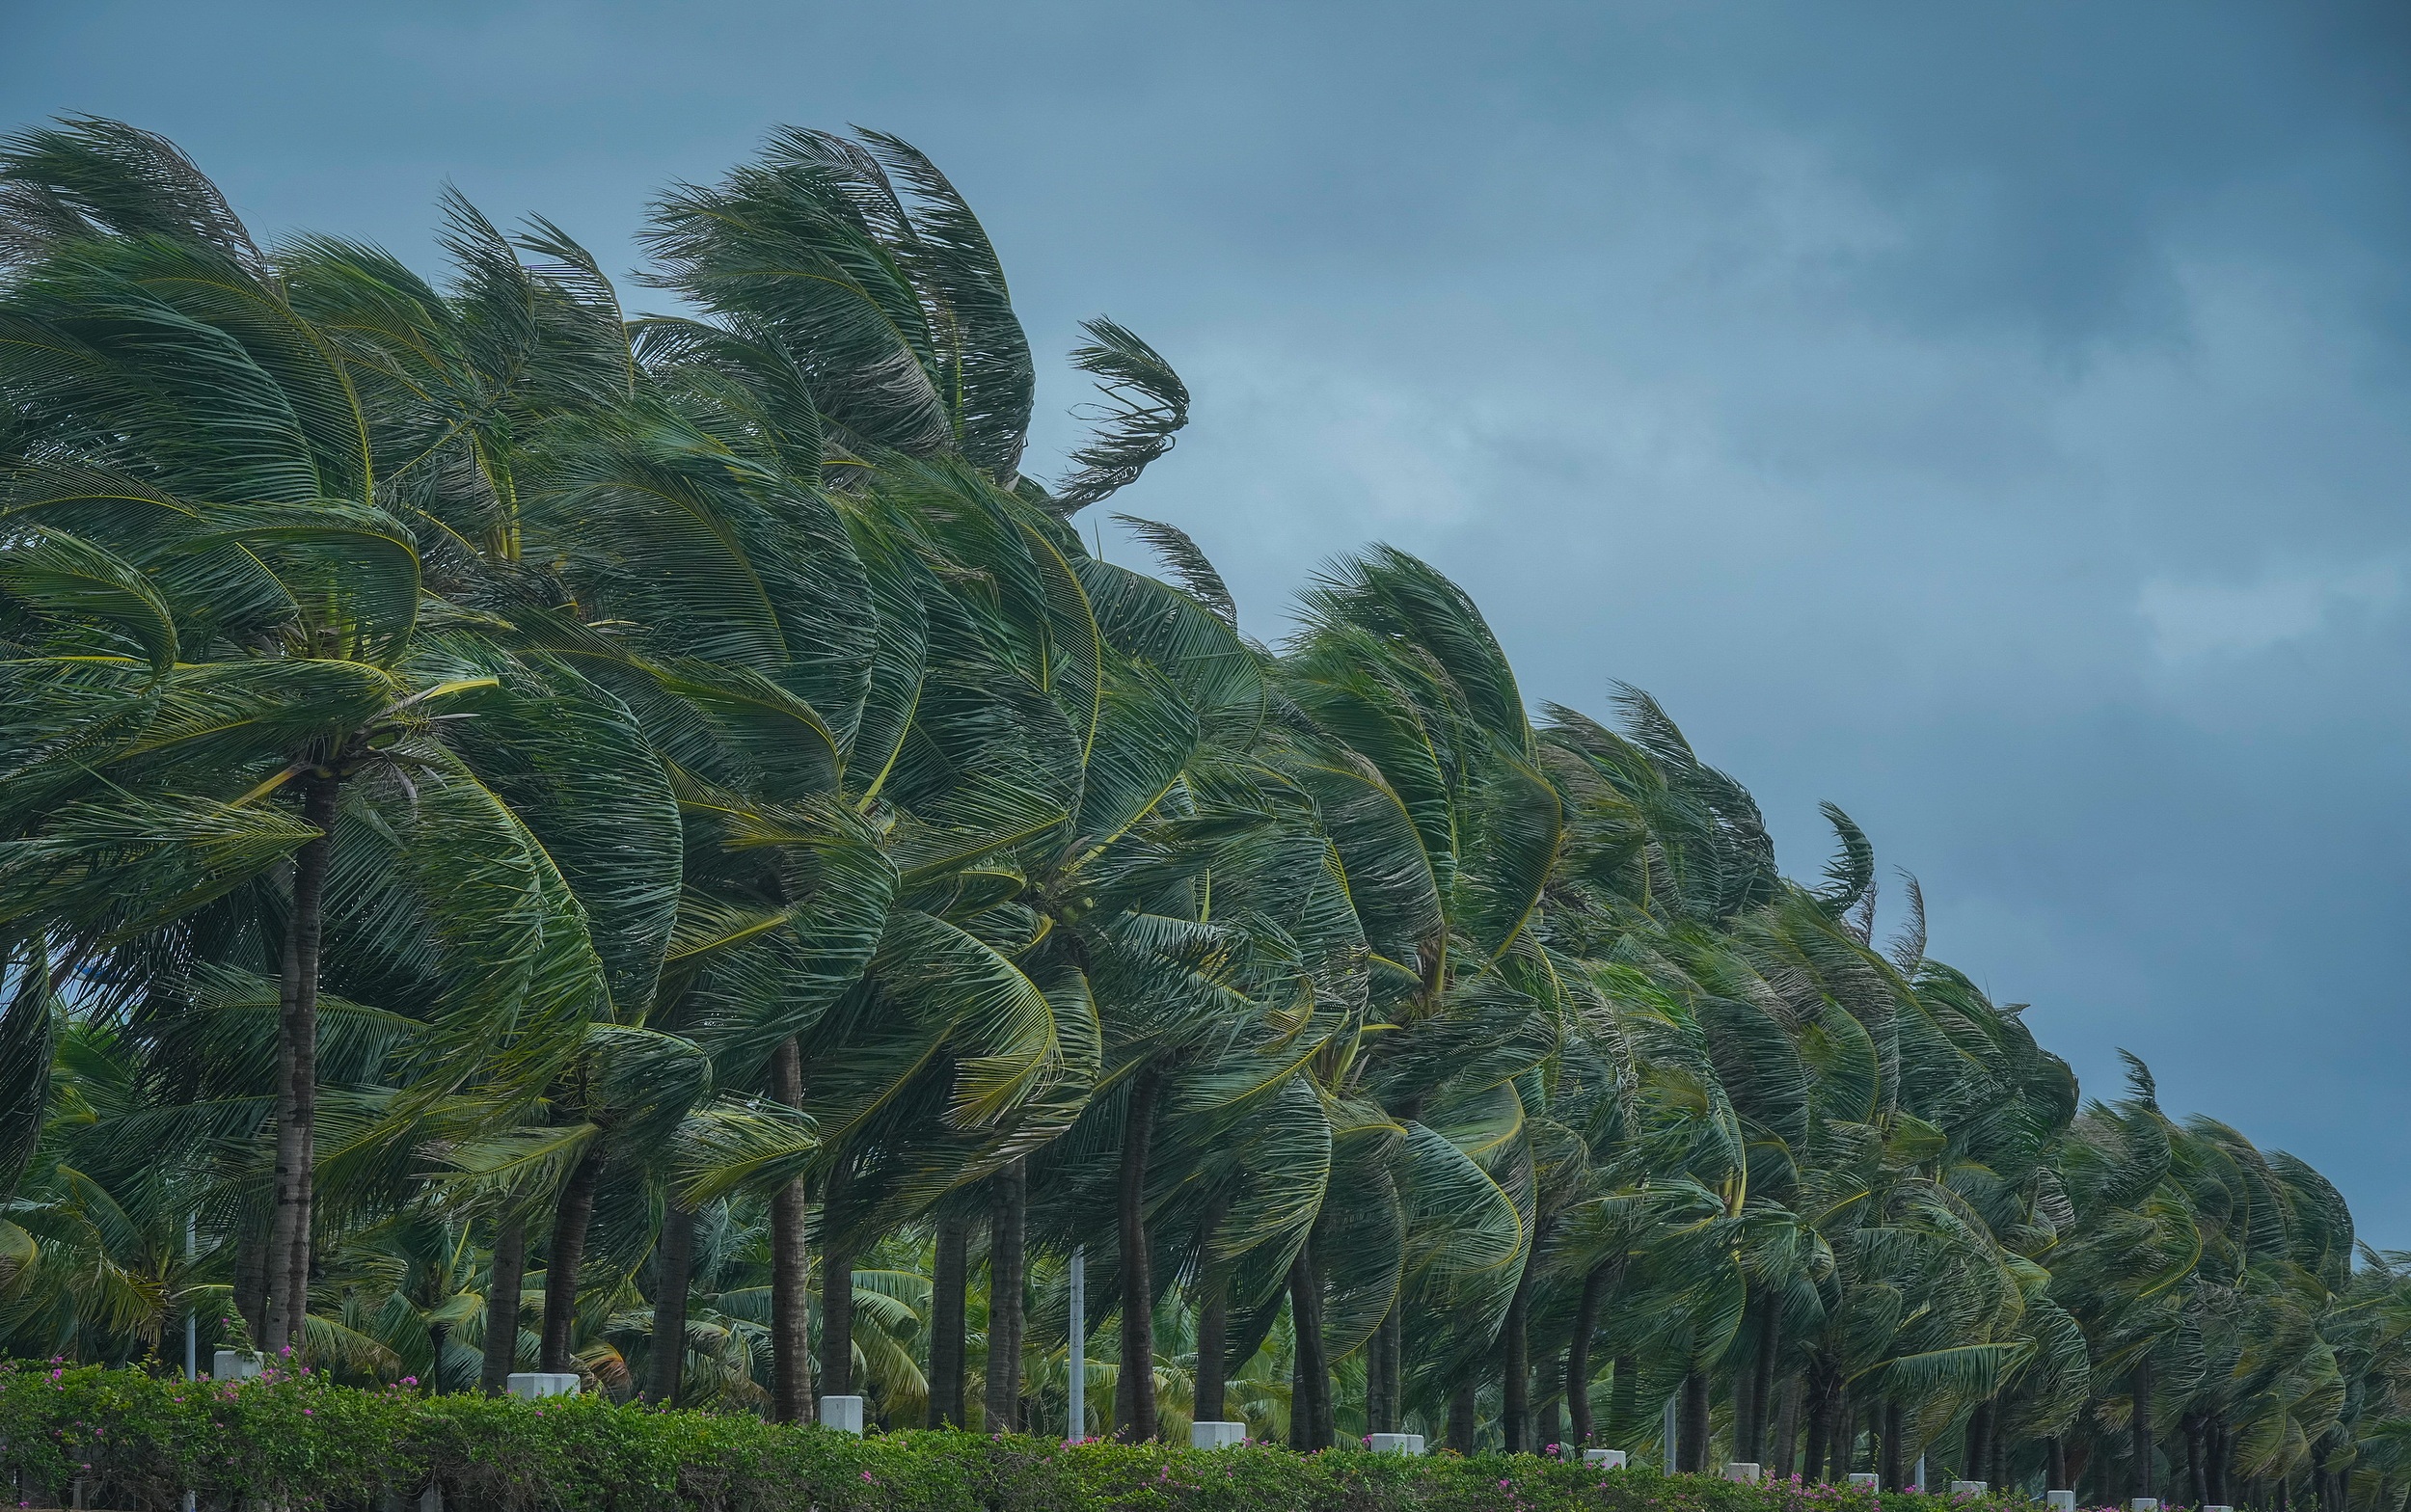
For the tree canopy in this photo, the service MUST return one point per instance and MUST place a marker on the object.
(645, 845)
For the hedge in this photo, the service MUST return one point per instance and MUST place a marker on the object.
(138, 1442)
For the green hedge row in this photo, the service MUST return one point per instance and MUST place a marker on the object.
(138, 1442)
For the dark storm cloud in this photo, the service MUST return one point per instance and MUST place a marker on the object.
(1991, 418)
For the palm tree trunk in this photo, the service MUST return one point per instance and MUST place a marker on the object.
(1578, 1353)
(2139, 1386)
(1786, 1431)
(1007, 1211)
(297, 1069)
(501, 1304)
(949, 1288)
(1752, 1446)
(568, 1254)
(675, 1259)
(836, 1282)
(1888, 1416)
(2055, 1464)
(1461, 1418)
(1979, 1428)
(1515, 1389)
(1213, 1319)
(1692, 1425)
(251, 1279)
(1134, 1392)
(1624, 1399)
(791, 1266)
(1820, 1435)
(438, 1333)
(1548, 1430)
(1310, 1396)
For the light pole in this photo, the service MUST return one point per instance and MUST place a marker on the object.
(1076, 1419)
(192, 1324)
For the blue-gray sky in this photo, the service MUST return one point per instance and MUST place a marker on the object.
(1989, 417)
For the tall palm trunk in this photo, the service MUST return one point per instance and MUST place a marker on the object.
(297, 1076)
(1691, 1428)
(1310, 1394)
(1213, 1320)
(836, 1283)
(1578, 1354)
(1134, 1392)
(1812, 1466)
(1752, 1445)
(791, 1266)
(1786, 1438)
(438, 1335)
(1516, 1377)
(1461, 1418)
(250, 1278)
(676, 1259)
(1890, 1469)
(1008, 1205)
(2139, 1385)
(2055, 1464)
(567, 1257)
(949, 1288)
(501, 1304)
(1624, 1399)
(1979, 1425)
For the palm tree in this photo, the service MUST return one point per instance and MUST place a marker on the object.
(508, 801)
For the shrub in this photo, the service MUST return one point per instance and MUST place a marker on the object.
(293, 1439)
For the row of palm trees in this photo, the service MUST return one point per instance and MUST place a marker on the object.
(537, 838)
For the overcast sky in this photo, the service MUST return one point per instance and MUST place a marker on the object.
(1992, 419)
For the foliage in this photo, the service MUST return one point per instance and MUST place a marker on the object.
(527, 834)
(294, 1439)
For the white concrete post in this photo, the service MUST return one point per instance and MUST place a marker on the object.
(1967, 1488)
(2063, 1500)
(531, 1385)
(1744, 1471)
(1605, 1459)
(1396, 1443)
(1863, 1479)
(1217, 1435)
(842, 1413)
(232, 1364)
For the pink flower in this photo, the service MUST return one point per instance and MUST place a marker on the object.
(866, 1474)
